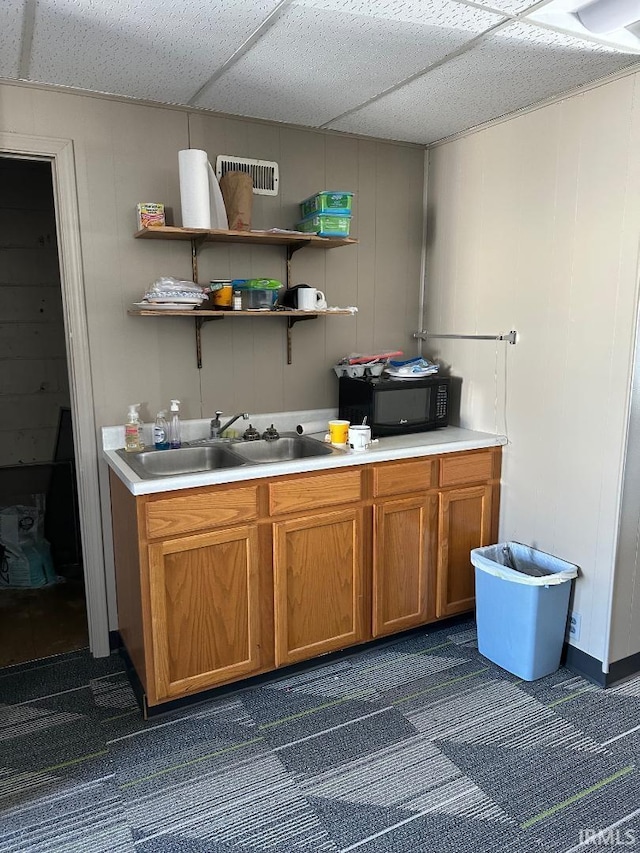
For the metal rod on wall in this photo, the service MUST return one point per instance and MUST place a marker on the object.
(511, 337)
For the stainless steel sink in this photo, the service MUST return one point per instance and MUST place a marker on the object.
(186, 460)
(219, 454)
(283, 449)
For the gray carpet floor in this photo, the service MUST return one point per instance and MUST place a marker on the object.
(420, 744)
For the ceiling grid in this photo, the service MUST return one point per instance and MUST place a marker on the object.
(409, 70)
(448, 58)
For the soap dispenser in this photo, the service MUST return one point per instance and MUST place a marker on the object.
(174, 426)
(161, 432)
(133, 430)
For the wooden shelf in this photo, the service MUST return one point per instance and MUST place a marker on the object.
(170, 232)
(196, 314)
(198, 237)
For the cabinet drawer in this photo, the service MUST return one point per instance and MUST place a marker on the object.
(466, 468)
(403, 477)
(182, 514)
(304, 493)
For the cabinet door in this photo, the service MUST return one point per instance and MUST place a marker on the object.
(404, 563)
(204, 609)
(318, 584)
(464, 523)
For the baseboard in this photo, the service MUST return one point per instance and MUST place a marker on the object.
(149, 712)
(583, 664)
(591, 668)
(620, 670)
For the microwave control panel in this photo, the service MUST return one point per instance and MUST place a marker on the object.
(442, 397)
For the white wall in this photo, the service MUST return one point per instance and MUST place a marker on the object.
(625, 622)
(534, 226)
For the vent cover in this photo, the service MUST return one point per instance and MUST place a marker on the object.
(264, 172)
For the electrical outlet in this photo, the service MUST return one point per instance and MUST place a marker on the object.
(573, 626)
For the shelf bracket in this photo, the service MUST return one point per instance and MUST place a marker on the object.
(200, 321)
(291, 248)
(196, 245)
(291, 321)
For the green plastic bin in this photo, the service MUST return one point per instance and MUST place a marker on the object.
(326, 225)
(327, 201)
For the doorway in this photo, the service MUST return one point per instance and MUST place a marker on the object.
(42, 595)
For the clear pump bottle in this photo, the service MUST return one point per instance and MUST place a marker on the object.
(133, 430)
(161, 432)
(174, 425)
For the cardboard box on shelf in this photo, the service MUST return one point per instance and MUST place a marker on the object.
(150, 214)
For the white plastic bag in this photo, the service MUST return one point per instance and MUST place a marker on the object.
(25, 556)
(519, 563)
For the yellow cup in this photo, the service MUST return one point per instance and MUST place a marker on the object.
(338, 432)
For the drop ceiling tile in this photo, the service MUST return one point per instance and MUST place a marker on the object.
(158, 50)
(511, 7)
(11, 37)
(317, 63)
(515, 67)
(442, 13)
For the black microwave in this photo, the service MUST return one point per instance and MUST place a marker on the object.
(395, 406)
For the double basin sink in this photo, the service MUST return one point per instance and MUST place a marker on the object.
(219, 454)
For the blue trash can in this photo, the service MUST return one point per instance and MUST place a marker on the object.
(522, 603)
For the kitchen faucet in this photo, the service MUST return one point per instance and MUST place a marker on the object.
(217, 429)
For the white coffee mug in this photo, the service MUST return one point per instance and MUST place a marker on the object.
(311, 299)
(359, 437)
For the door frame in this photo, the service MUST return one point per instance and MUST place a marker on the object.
(60, 153)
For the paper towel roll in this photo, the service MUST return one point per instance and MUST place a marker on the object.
(200, 196)
(312, 426)
(195, 201)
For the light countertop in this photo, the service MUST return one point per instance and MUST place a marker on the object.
(444, 440)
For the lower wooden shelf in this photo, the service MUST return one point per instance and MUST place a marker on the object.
(300, 315)
(201, 316)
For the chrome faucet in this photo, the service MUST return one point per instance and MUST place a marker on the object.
(217, 429)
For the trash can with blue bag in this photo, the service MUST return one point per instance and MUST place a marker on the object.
(522, 604)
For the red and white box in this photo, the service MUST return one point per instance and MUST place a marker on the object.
(150, 214)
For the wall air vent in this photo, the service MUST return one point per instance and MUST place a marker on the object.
(264, 172)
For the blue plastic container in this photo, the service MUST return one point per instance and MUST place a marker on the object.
(522, 603)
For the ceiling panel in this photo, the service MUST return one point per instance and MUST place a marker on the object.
(316, 63)
(444, 13)
(513, 68)
(10, 37)
(511, 7)
(157, 50)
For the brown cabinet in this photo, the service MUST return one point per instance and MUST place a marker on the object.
(404, 551)
(217, 583)
(421, 564)
(318, 581)
(200, 509)
(464, 522)
(204, 609)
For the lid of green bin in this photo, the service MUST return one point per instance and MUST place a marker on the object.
(258, 284)
(329, 192)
